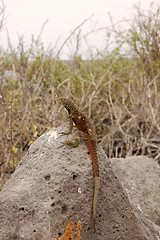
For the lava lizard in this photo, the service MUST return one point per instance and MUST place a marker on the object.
(87, 132)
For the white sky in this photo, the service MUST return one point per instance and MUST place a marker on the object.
(25, 17)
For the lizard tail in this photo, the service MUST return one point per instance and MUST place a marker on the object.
(93, 152)
(96, 192)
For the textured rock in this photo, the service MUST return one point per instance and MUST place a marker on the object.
(140, 177)
(53, 186)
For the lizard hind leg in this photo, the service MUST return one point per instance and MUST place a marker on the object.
(74, 143)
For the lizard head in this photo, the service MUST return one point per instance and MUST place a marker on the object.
(62, 100)
(66, 103)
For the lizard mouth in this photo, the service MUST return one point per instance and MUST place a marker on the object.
(65, 104)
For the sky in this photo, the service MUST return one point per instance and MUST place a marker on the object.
(26, 17)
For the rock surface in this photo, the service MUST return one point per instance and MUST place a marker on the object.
(140, 177)
(53, 186)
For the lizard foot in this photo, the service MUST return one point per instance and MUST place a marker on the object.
(73, 144)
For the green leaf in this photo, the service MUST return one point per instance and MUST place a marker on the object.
(14, 149)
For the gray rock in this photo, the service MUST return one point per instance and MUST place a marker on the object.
(140, 177)
(53, 186)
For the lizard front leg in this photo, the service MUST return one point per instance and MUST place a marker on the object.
(70, 126)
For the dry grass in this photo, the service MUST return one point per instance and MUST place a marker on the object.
(118, 89)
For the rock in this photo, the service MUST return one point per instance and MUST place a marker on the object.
(54, 186)
(140, 177)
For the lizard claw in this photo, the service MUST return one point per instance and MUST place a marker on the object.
(65, 133)
(64, 143)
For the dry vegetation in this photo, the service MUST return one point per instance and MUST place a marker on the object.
(118, 89)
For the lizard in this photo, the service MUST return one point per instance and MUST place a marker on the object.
(86, 131)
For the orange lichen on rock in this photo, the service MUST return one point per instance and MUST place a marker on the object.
(79, 228)
(68, 233)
